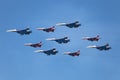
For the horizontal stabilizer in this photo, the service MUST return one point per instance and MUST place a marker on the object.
(11, 30)
(61, 24)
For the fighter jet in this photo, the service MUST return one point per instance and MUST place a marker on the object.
(50, 29)
(77, 53)
(48, 52)
(92, 38)
(60, 40)
(75, 24)
(34, 45)
(104, 47)
(26, 31)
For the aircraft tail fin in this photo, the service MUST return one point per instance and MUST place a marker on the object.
(53, 26)
(107, 44)
(78, 51)
(40, 42)
(97, 36)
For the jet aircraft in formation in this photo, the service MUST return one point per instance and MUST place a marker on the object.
(50, 29)
(75, 24)
(26, 31)
(53, 51)
(35, 45)
(92, 38)
(48, 52)
(60, 40)
(104, 47)
(77, 53)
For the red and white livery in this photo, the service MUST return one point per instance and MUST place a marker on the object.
(92, 38)
(50, 29)
(77, 53)
(34, 45)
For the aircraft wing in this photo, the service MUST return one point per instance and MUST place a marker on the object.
(94, 46)
(12, 30)
(61, 24)
(51, 39)
(39, 51)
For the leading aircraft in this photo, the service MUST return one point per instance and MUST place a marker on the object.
(25, 31)
(75, 24)
(104, 47)
(48, 52)
(35, 45)
(50, 29)
(77, 53)
(60, 40)
(92, 38)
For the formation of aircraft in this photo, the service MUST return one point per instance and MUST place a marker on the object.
(60, 40)
(77, 53)
(48, 52)
(63, 40)
(50, 29)
(75, 24)
(92, 38)
(104, 47)
(25, 31)
(34, 45)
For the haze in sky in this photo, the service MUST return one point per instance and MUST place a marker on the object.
(98, 17)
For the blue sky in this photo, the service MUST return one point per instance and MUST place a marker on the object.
(18, 62)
